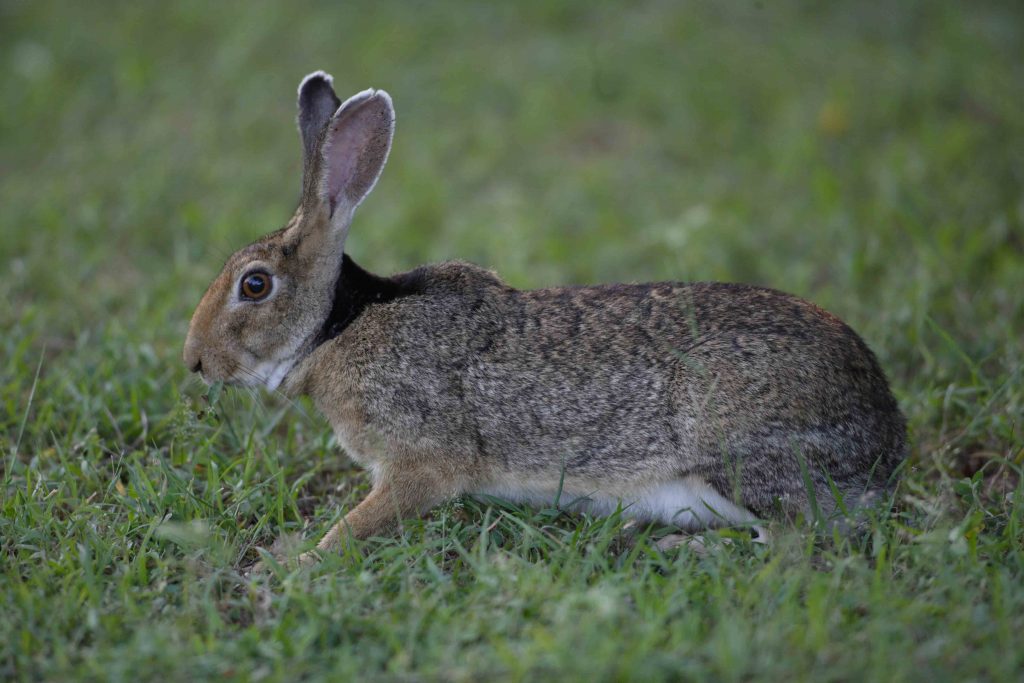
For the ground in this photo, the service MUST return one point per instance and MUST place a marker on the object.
(867, 156)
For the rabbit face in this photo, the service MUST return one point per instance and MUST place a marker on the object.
(266, 310)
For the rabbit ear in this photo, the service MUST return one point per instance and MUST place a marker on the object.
(317, 103)
(354, 149)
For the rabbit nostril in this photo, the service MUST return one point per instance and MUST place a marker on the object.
(198, 367)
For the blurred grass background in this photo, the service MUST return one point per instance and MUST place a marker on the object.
(868, 156)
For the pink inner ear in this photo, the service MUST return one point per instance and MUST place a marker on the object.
(342, 157)
(356, 148)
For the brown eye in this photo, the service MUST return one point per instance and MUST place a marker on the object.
(255, 286)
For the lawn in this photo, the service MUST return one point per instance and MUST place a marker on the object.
(867, 156)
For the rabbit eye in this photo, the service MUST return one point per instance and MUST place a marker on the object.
(255, 286)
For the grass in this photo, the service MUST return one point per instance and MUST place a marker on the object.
(868, 156)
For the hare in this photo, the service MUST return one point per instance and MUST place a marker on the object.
(697, 405)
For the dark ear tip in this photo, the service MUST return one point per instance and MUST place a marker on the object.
(316, 81)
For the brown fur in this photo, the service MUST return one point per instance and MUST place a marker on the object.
(445, 381)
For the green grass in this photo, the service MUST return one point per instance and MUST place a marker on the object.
(868, 156)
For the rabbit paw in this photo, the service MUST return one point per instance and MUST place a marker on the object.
(695, 543)
(310, 558)
(701, 546)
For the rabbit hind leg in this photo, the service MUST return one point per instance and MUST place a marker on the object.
(691, 504)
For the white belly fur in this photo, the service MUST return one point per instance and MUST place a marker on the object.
(688, 503)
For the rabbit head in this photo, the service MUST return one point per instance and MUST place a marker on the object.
(266, 309)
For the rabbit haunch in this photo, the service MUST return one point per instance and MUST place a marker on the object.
(697, 404)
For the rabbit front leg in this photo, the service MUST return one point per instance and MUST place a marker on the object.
(400, 491)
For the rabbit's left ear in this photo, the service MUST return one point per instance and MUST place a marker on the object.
(354, 150)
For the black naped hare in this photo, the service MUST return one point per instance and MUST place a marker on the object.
(692, 404)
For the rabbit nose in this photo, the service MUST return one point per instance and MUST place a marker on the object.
(191, 355)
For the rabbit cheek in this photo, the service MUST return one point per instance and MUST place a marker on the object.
(262, 348)
(232, 344)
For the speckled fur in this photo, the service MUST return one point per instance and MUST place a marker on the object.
(620, 385)
(455, 383)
